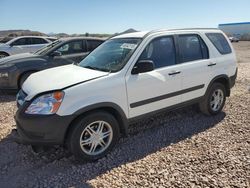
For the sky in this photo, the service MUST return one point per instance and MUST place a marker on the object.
(111, 16)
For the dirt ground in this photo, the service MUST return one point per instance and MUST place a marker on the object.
(182, 148)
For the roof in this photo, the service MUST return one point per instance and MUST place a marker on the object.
(138, 34)
(80, 38)
(239, 23)
(30, 36)
(19, 37)
(142, 34)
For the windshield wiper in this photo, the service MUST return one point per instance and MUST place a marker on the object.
(96, 68)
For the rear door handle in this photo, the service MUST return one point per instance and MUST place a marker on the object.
(174, 72)
(211, 64)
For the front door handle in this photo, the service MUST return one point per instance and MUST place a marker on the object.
(174, 72)
(211, 64)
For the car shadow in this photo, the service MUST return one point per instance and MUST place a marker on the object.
(145, 137)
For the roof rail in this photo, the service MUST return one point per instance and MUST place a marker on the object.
(161, 30)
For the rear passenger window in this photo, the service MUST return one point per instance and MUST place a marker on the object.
(220, 42)
(38, 41)
(93, 44)
(161, 51)
(191, 48)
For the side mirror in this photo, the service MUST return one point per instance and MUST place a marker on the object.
(143, 66)
(55, 53)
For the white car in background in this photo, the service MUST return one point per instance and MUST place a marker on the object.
(234, 39)
(24, 44)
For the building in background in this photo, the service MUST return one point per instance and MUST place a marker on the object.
(240, 30)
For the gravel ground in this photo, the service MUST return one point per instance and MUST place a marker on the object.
(176, 149)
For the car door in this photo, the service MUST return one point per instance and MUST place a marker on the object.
(194, 65)
(157, 89)
(70, 52)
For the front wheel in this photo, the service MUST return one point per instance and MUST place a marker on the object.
(93, 136)
(214, 100)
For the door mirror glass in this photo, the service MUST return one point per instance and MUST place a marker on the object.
(143, 66)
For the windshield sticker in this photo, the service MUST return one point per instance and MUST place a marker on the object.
(128, 46)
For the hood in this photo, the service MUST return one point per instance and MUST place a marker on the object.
(16, 58)
(58, 78)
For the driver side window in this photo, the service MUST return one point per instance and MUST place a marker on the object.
(22, 41)
(72, 48)
(63, 49)
(161, 51)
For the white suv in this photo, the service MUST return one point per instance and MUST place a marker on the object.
(127, 78)
(24, 44)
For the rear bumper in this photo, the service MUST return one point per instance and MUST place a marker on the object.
(41, 129)
(232, 79)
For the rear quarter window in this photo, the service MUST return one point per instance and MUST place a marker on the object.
(220, 42)
(38, 41)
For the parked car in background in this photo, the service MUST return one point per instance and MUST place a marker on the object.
(129, 77)
(14, 70)
(24, 44)
(234, 39)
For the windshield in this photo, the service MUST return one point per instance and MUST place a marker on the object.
(112, 55)
(45, 49)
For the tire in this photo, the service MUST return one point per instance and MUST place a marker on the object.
(23, 78)
(85, 129)
(3, 54)
(212, 105)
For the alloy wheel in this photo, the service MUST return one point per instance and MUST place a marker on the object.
(96, 137)
(216, 100)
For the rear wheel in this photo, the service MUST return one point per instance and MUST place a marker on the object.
(3, 54)
(93, 136)
(214, 100)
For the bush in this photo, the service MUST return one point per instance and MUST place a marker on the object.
(245, 36)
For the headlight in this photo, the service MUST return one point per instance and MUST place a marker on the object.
(46, 104)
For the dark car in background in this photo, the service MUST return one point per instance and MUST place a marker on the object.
(15, 69)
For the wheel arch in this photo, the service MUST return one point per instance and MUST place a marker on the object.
(109, 107)
(3, 52)
(223, 79)
(22, 74)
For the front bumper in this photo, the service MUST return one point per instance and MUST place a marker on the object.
(9, 82)
(41, 129)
